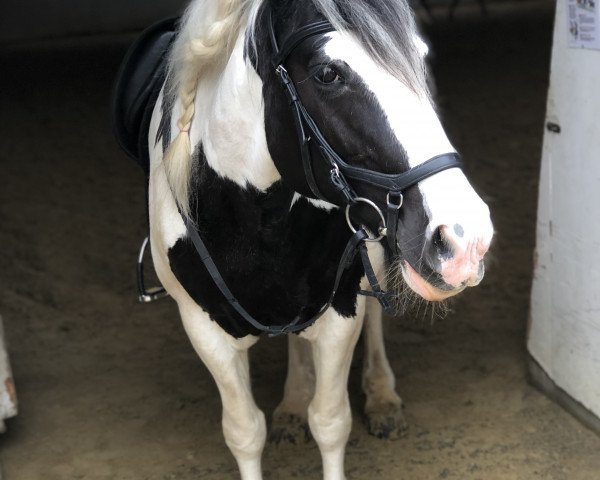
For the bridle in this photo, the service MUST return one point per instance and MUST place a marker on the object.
(341, 173)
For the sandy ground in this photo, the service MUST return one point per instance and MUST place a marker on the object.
(110, 389)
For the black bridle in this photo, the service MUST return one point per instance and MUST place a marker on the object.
(341, 173)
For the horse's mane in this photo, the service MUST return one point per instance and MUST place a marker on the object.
(208, 32)
(210, 28)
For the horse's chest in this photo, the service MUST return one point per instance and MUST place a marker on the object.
(276, 272)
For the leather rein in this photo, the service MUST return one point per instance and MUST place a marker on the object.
(341, 172)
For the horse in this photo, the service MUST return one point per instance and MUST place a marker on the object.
(299, 176)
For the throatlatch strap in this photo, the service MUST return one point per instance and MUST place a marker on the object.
(273, 330)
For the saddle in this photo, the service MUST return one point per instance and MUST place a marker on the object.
(139, 81)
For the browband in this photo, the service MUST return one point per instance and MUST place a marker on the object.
(295, 39)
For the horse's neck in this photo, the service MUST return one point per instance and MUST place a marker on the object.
(274, 230)
(239, 218)
(231, 125)
(236, 182)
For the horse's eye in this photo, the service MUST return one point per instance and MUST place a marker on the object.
(328, 75)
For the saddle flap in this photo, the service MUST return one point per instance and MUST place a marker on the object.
(140, 78)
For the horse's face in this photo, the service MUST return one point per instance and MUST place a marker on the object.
(374, 120)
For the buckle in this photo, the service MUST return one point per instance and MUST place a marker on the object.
(391, 196)
(339, 182)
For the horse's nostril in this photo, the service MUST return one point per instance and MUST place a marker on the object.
(459, 230)
(440, 245)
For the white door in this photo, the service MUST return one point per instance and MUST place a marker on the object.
(564, 331)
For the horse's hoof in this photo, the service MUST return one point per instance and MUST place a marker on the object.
(289, 428)
(387, 421)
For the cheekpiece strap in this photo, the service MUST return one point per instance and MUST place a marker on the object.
(303, 136)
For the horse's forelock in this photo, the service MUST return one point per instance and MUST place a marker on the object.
(387, 31)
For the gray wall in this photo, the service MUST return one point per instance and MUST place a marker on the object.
(22, 20)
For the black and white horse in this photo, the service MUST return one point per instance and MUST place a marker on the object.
(227, 166)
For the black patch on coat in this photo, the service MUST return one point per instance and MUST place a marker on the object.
(278, 263)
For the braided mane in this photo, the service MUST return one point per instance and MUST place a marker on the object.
(208, 33)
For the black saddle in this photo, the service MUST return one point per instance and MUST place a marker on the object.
(139, 81)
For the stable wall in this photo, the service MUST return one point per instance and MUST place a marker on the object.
(36, 19)
(564, 334)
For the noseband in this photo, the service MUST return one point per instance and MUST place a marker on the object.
(341, 173)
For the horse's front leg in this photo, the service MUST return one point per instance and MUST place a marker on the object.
(226, 358)
(383, 407)
(290, 422)
(333, 339)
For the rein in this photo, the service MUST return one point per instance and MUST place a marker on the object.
(391, 184)
(273, 330)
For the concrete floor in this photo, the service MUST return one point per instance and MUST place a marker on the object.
(110, 389)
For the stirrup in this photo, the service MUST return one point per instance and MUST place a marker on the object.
(151, 294)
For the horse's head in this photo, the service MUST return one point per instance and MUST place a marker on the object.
(364, 85)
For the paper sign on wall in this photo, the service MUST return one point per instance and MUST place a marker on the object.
(584, 27)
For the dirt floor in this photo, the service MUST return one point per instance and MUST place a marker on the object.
(111, 389)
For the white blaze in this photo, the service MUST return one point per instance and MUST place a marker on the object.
(411, 116)
(449, 198)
